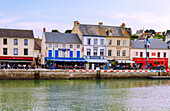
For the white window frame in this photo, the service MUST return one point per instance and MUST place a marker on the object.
(95, 52)
(78, 46)
(118, 53)
(124, 53)
(101, 52)
(50, 45)
(71, 46)
(56, 45)
(110, 42)
(124, 42)
(64, 45)
(95, 41)
(89, 50)
(118, 43)
(15, 49)
(101, 41)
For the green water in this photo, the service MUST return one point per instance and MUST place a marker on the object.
(85, 95)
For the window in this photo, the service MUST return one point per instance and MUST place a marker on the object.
(64, 45)
(109, 52)
(153, 53)
(88, 52)
(136, 53)
(141, 54)
(101, 41)
(71, 46)
(164, 54)
(25, 42)
(64, 54)
(158, 54)
(118, 42)
(78, 46)
(110, 42)
(124, 53)
(49, 45)
(5, 41)
(56, 45)
(118, 53)
(147, 54)
(15, 41)
(25, 51)
(88, 41)
(5, 51)
(101, 52)
(95, 52)
(124, 42)
(95, 41)
(15, 51)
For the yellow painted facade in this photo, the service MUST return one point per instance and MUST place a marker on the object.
(113, 47)
(10, 47)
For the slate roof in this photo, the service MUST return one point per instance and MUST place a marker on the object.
(37, 44)
(16, 33)
(154, 44)
(96, 30)
(67, 38)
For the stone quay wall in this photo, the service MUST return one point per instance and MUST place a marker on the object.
(22, 74)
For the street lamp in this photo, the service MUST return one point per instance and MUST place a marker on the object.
(146, 52)
(53, 52)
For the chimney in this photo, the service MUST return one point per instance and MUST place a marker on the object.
(123, 25)
(44, 29)
(76, 23)
(101, 24)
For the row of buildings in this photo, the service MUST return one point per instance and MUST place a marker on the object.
(96, 45)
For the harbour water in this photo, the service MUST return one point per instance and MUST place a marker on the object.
(90, 95)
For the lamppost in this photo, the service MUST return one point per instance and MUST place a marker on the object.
(53, 53)
(146, 52)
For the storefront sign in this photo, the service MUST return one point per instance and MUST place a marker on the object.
(16, 58)
(64, 49)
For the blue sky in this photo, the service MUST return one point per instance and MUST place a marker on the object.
(60, 14)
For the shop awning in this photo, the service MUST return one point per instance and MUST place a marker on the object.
(125, 61)
(97, 60)
(67, 59)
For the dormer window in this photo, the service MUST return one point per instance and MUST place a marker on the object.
(110, 32)
(107, 32)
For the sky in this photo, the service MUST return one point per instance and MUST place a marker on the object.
(61, 14)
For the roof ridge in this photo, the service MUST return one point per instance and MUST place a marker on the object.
(103, 25)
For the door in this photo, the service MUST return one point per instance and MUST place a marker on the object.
(49, 53)
(78, 54)
(56, 53)
(71, 54)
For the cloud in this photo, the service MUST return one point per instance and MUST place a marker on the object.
(37, 27)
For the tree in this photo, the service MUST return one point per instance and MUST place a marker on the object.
(133, 37)
(55, 30)
(157, 36)
(68, 31)
(150, 31)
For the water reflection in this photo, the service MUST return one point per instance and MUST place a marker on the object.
(118, 94)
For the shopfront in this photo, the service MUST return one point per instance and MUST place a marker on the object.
(17, 62)
(154, 62)
(66, 62)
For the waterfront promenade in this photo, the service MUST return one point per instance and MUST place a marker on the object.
(40, 74)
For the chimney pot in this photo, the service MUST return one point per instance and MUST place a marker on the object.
(123, 25)
(44, 29)
(101, 24)
(76, 23)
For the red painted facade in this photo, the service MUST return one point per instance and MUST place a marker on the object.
(16, 58)
(160, 61)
